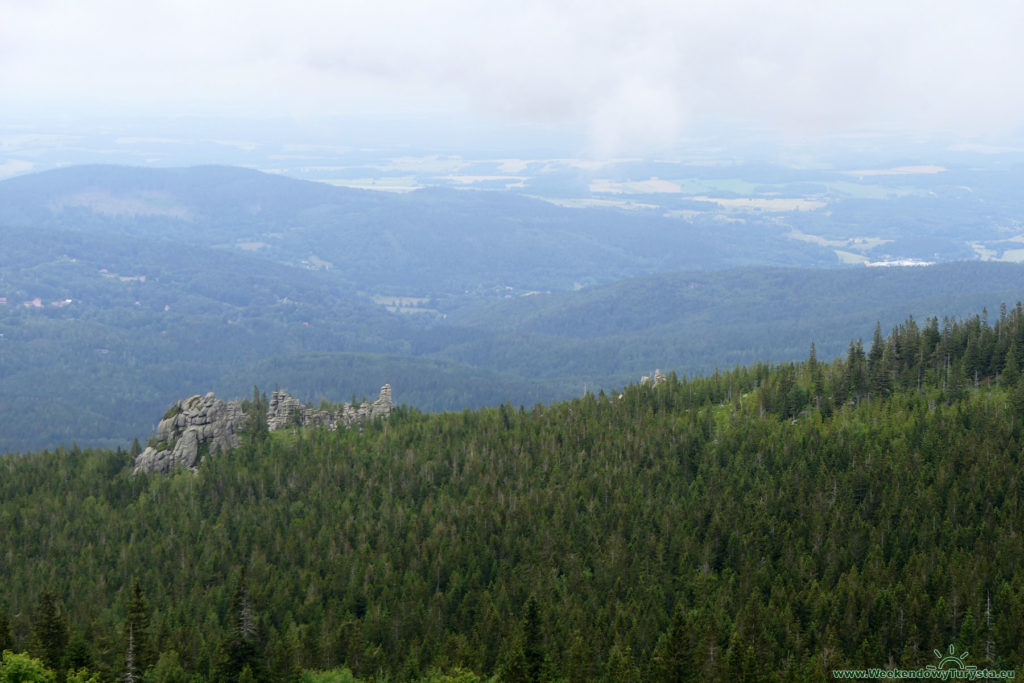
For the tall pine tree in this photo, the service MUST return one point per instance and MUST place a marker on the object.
(136, 634)
(6, 639)
(533, 639)
(50, 632)
(242, 651)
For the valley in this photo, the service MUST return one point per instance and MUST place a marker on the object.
(459, 299)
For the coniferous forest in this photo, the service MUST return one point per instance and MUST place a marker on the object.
(772, 522)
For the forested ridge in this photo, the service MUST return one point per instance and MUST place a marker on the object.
(772, 522)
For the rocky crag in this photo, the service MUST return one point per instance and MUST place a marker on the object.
(201, 424)
(286, 410)
(657, 380)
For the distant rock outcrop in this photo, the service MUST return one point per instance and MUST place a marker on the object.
(657, 379)
(201, 424)
(285, 410)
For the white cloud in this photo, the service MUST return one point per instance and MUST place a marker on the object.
(13, 167)
(635, 76)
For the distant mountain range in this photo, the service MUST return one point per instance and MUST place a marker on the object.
(123, 289)
(425, 243)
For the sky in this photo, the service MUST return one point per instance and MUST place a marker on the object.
(614, 78)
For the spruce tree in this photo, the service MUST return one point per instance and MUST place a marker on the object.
(1016, 391)
(621, 668)
(6, 639)
(50, 632)
(514, 667)
(855, 380)
(533, 640)
(877, 347)
(242, 648)
(256, 424)
(168, 669)
(968, 637)
(579, 665)
(1011, 368)
(136, 631)
(79, 652)
(673, 655)
(817, 381)
(879, 364)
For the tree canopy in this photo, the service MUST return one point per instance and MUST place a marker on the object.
(769, 522)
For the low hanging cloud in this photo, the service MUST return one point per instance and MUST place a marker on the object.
(636, 76)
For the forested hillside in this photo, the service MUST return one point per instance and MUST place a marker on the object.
(774, 522)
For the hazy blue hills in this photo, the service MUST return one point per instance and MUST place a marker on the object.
(429, 242)
(697, 321)
(125, 289)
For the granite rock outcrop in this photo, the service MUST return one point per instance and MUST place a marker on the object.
(284, 410)
(200, 424)
(657, 380)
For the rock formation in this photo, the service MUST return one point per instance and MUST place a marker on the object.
(207, 424)
(658, 379)
(285, 410)
(190, 424)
